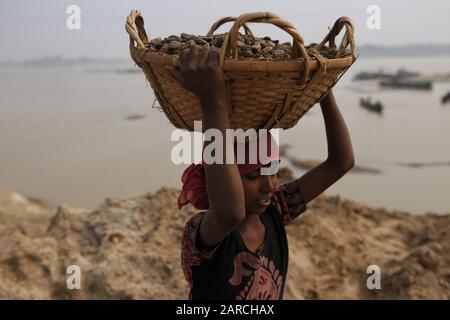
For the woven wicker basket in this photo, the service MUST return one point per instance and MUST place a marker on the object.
(264, 94)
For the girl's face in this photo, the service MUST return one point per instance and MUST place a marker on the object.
(257, 190)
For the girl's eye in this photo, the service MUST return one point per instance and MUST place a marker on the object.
(252, 176)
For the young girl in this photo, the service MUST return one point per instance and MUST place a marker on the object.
(236, 248)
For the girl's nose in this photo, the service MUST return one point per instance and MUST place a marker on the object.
(269, 184)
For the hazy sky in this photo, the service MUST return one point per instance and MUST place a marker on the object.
(33, 29)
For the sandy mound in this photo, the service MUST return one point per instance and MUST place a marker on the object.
(130, 249)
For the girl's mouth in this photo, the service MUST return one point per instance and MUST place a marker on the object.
(264, 201)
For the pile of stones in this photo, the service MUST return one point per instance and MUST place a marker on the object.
(249, 46)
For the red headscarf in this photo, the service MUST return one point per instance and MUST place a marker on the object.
(193, 178)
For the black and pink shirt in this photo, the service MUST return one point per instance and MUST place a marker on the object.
(231, 271)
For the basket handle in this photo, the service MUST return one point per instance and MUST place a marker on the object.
(224, 20)
(266, 17)
(346, 40)
(134, 25)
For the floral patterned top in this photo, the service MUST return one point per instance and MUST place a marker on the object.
(230, 270)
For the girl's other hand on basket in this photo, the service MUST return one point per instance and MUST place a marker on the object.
(201, 73)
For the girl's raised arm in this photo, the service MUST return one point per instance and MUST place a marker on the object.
(201, 74)
(339, 161)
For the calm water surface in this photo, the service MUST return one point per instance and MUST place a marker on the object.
(65, 137)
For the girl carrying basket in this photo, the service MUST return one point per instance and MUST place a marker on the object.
(236, 246)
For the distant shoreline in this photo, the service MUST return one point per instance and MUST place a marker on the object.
(364, 51)
(407, 51)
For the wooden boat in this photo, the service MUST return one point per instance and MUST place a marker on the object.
(371, 106)
(399, 83)
(381, 75)
(367, 75)
(403, 74)
(446, 98)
